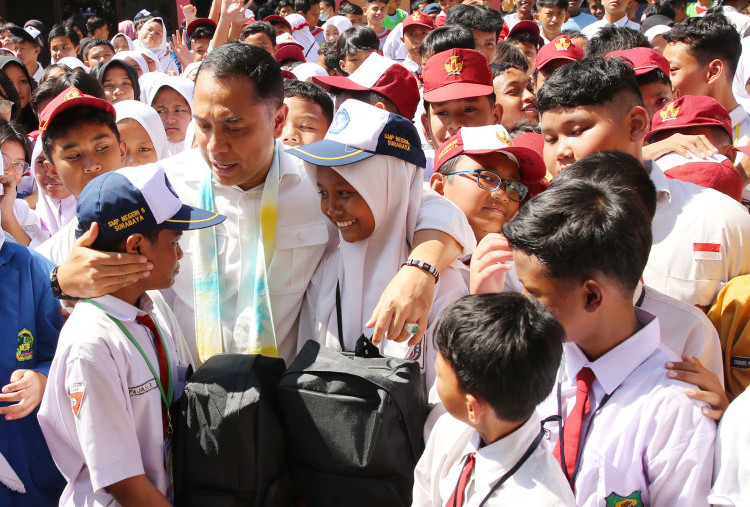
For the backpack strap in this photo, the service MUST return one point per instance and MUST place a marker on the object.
(338, 317)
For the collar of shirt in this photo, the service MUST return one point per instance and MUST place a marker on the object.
(659, 179)
(622, 21)
(411, 65)
(123, 311)
(738, 115)
(613, 368)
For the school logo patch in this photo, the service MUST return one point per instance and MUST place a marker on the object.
(454, 66)
(632, 500)
(339, 123)
(503, 137)
(75, 392)
(563, 44)
(72, 94)
(416, 16)
(670, 112)
(25, 347)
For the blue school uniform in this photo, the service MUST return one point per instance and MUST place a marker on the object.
(30, 323)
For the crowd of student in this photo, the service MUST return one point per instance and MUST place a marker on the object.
(546, 209)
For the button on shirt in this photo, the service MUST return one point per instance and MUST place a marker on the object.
(539, 481)
(649, 438)
(701, 239)
(593, 29)
(116, 430)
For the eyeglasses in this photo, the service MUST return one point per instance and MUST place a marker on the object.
(20, 166)
(6, 106)
(489, 181)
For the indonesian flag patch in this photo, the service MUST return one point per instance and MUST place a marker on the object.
(706, 251)
(75, 392)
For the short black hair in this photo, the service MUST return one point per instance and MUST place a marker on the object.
(510, 54)
(203, 32)
(590, 82)
(237, 59)
(659, 9)
(580, 227)
(8, 92)
(367, 2)
(560, 4)
(302, 6)
(51, 88)
(524, 127)
(356, 39)
(673, 4)
(445, 38)
(367, 96)
(310, 92)
(284, 3)
(617, 170)
(75, 117)
(329, 3)
(259, 27)
(118, 245)
(94, 23)
(92, 43)
(573, 34)
(330, 56)
(475, 17)
(350, 8)
(504, 348)
(499, 68)
(15, 132)
(615, 38)
(709, 37)
(654, 76)
(60, 30)
(414, 5)
(524, 36)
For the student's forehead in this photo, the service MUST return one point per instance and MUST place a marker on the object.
(511, 76)
(84, 133)
(303, 105)
(497, 162)
(559, 115)
(62, 39)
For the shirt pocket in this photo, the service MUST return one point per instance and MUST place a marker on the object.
(298, 251)
(618, 485)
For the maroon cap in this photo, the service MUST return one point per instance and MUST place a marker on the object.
(526, 25)
(419, 19)
(273, 18)
(71, 97)
(690, 111)
(456, 74)
(287, 52)
(381, 75)
(643, 60)
(199, 22)
(721, 176)
(560, 48)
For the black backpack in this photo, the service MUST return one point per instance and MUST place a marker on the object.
(228, 444)
(353, 426)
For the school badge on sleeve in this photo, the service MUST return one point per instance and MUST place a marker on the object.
(25, 347)
(75, 392)
(632, 500)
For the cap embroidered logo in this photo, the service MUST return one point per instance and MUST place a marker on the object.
(73, 94)
(670, 112)
(563, 44)
(454, 66)
(339, 123)
(503, 137)
(416, 16)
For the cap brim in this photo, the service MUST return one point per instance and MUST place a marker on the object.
(458, 90)
(188, 218)
(329, 153)
(340, 82)
(532, 171)
(666, 127)
(540, 65)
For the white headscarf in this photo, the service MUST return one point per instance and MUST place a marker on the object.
(301, 33)
(162, 50)
(136, 57)
(146, 52)
(191, 70)
(128, 39)
(53, 213)
(340, 22)
(149, 119)
(742, 76)
(74, 63)
(392, 189)
(189, 135)
(307, 70)
(181, 85)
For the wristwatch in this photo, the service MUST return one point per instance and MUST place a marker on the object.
(55, 286)
(422, 265)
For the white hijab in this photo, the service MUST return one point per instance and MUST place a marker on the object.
(307, 70)
(146, 52)
(74, 63)
(161, 51)
(181, 85)
(54, 213)
(392, 189)
(340, 22)
(301, 33)
(131, 46)
(137, 58)
(149, 119)
(742, 76)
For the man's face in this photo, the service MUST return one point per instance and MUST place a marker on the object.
(325, 9)
(551, 19)
(413, 37)
(529, 51)
(375, 14)
(486, 211)
(514, 92)
(485, 43)
(445, 118)
(305, 123)
(200, 48)
(573, 133)
(357, 19)
(616, 8)
(286, 10)
(60, 47)
(688, 76)
(524, 7)
(83, 153)
(447, 4)
(313, 15)
(655, 96)
(99, 54)
(596, 8)
(27, 53)
(261, 40)
(234, 131)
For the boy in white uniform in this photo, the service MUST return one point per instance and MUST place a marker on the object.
(628, 432)
(105, 412)
(498, 354)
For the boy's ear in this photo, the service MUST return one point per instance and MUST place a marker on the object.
(427, 131)
(133, 243)
(279, 119)
(639, 123)
(475, 409)
(497, 113)
(593, 295)
(536, 17)
(123, 151)
(714, 70)
(437, 183)
(567, 17)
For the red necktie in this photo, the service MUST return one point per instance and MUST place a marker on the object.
(572, 426)
(457, 497)
(147, 321)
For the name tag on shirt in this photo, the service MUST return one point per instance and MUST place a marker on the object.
(706, 251)
(742, 363)
(143, 388)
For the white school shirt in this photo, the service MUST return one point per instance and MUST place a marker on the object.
(739, 20)
(689, 221)
(684, 329)
(592, 30)
(58, 247)
(117, 430)
(539, 481)
(302, 233)
(731, 466)
(741, 137)
(29, 222)
(649, 438)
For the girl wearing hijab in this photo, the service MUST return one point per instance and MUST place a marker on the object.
(301, 33)
(55, 205)
(122, 42)
(373, 201)
(335, 26)
(119, 80)
(135, 59)
(127, 28)
(172, 98)
(153, 36)
(24, 85)
(143, 132)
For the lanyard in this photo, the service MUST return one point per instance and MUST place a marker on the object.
(167, 397)
(736, 139)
